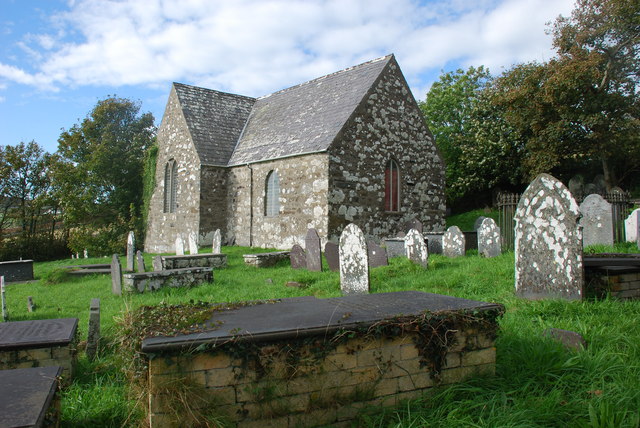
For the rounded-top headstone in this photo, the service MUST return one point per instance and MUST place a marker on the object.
(631, 226)
(576, 187)
(416, 249)
(596, 221)
(354, 263)
(478, 223)
(453, 242)
(489, 244)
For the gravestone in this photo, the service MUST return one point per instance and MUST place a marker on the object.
(3, 297)
(86, 253)
(216, 247)
(631, 226)
(131, 244)
(157, 263)
(571, 340)
(548, 242)
(589, 189)
(93, 332)
(193, 243)
(30, 306)
(478, 223)
(140, 262)
(298, 257)
(412, 224)
(576, 187)
(489, 238)
(354, 266)
(453, 242)
(377, 255)
(313, 250)
(116, 275)
(332, 256)
(416, 248)
(434, 242)
(600, 184)
(596, 221)
(179, 246)
(395, 247)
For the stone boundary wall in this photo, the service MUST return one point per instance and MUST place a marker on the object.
(189, 261)
(622, 285)
(150, 281)
(17, 270)
(64, 356)
(331, 390)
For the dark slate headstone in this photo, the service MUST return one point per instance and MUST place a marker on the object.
(416, 248)
(298, 257)
(434, 242)
(140, 262)
(453, 242)
(377, 255)
(26, 396)
(569, 339)
(93, 332)
(412, 224)
(596, 221)
(131, 248)
(395, 247)
(37, 333)
(489, 241)
(354, 266)
(631, 226)
(332, 256)
(576, 187)
(313, 250)
(478, 223)
(116, 275)
(548, 242)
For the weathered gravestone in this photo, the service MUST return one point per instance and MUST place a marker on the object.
(600, 184)
(576, 187)
(453, 242)
(332, 256)
(116, 275)
(313, 250)
(434, 242)
(489, 238)
(548, 242)
(216, 247)
(354, 266)
(478, 223)
(631, 226)
(93, 332)
(377, 255)
(179, 246)
(140, 262)
(395, 247)
(131, 248)
(596, 221)
(414, 223)
(193, 243)
(416, 248)
(569, 339)
(298, 257)
(86, 253)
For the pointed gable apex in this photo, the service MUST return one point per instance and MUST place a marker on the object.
(305, 118)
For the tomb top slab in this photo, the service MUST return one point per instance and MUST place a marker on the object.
(305, 316)
(37, 333)
(26, 394)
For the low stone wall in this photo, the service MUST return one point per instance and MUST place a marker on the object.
(17, 270)
(150, 281)
(265, 259)
(189, 261)
(621, 283)
(50, 356)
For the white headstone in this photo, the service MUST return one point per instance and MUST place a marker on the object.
(489, 238)
(596, 221)
(354, 263)
(416, 249)
(453, 242)
(631, 226)
(193, 243)
(179, 246)
(86, 254)
(131, 250)
(216, 248)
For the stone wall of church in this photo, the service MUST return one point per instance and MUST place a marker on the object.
(174, 142)
(213, 203)
(302, 198)
(388, 125)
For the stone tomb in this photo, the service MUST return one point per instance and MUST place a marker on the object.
(39, 343)
(28, 397)
(17, 270)
(617, 275)
(596, 221)
(217, 260)
(151, 281)
(354, 261)
(327, 387)
(548, 242)
(262, 260)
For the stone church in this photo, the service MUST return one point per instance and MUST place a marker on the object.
(348, 147)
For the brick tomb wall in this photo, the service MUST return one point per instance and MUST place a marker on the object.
(621, 285)
(63, 356)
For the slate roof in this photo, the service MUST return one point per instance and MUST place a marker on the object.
(215, 120)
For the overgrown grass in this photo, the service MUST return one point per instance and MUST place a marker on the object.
(537, 383)
(466, 220)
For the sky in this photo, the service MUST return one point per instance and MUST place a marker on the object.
(58, 58)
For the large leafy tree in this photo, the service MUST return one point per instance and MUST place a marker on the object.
(99, 167)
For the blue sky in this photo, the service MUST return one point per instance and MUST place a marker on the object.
(58, 58)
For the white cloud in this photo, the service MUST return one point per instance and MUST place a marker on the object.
(254, 47)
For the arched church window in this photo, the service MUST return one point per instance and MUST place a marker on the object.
(392, 187)
(170, 186)
(271, 195)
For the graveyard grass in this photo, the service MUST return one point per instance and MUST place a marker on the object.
(537, 382)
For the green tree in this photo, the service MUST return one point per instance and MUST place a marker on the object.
(99, 169)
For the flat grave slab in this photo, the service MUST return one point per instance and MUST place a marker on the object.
(26, 396)
(304, 316)
(37, 333)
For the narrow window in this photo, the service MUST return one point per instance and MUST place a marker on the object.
(170, 186)
(271, 195)
(392, 187)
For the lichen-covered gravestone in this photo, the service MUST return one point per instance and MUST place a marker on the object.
(193, 243)
(377, 255)
(631, 226)
(216, 247)
(416, 248)
(116, 275)
(140, 262)
(332, 256)
(548, 242)
(131, 248)
(313, 250)
(478, 223)
(596, 221)
(298, 257)
(179, 246)
(489, 238)
(354, 264)
(453, 242)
